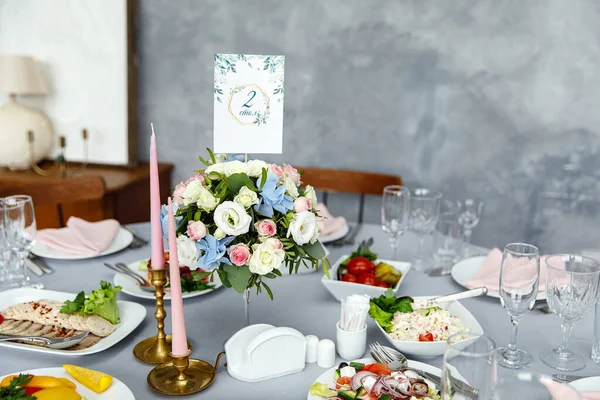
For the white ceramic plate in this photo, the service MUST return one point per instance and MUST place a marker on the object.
(467, 269)
(117, 390)
(341, 289)
(591, 384)
(132, 314)
(121, 241)
(327, 376)
(131, 287)
(333, 236)
(431, 349)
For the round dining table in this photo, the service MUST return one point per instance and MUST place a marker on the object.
(301, 302)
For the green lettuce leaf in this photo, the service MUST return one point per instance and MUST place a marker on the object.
(382, 308)
(321, 389)
(101, 302)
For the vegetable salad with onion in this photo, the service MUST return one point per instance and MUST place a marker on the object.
(375, 382)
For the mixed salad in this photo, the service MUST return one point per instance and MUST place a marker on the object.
(375, 382)
(406, 319)
(361, 268)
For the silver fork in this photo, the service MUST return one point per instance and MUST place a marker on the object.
(137, 241)
(51, 343)
(144, 284)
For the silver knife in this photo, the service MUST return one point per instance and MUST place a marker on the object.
(40, 263)
(568, 378)
(33, 267)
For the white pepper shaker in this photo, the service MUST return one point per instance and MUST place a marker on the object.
(326, 354)
(311, 348)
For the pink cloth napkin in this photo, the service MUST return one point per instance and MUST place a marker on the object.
(80, 237)
(329, 224)
(489, 274)
(560, 391)
(591, 395)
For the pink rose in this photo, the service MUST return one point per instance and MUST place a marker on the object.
(302, 204)
(274, 243)
(266, 227)
(276, 169)
(178, 194)
(292, 173)
(239, 254)
(196, 230)
(200, 177)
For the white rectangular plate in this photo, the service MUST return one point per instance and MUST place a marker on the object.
(132, 314)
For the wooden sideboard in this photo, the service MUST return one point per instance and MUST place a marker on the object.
(127, 196)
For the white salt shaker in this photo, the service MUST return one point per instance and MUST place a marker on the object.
(311, 348)
(326, 354)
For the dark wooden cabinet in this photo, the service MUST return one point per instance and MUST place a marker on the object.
(126, 199)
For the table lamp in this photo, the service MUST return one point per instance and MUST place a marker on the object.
(19, 75)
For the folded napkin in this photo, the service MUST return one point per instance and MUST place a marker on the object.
(80, 237)
(559, 391)
(591, 395)
(489, 274)
(328, 223)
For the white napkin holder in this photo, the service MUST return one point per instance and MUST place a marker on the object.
(260, 352)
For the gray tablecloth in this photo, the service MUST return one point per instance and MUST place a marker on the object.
(301, 302)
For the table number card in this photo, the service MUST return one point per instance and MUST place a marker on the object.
(248, 97)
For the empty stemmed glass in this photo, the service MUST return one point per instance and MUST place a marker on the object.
(424, 214)
(469, 217)
(20, 229)
(519, 280)
(572, 287)
(394, 213)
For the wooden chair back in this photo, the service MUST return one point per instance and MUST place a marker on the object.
(86, 191)
(344, 181)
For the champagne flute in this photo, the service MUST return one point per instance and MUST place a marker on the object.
(424, 214)
(394, 213)
(519, 280)
(572, 288)
(469, 218)
(20, 230)
(473, 363)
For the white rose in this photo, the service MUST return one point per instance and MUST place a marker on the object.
(303, 228)
(218, 167)
(191, 194)
(255, 167)
(219, 158)
(219, 233)
(232, 218)
(310, 194)
(265, 259)
(234, 167)
(187, 251)
(291, 187)
(246, 197)
(206, 201)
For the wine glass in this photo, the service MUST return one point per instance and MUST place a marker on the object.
(20, 229)
(394, 213)
(469, 217)
(4, 249)
(527, 386)
(424, 214)
(572, 287)
(519, 281)
(473, 363)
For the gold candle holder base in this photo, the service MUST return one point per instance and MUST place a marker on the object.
(183, 376)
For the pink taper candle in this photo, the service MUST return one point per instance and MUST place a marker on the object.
(158, 260)
(179, 344)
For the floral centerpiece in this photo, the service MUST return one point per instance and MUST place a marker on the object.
(244, 221)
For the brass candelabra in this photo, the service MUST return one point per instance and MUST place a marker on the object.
(59, 167)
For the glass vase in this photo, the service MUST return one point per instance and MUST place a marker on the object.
(246, 297)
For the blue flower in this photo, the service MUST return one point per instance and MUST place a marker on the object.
(273, 197)
(213, 252)
(164, 219)
(239, 157)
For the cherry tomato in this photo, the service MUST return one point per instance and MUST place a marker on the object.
(31, 390)
(341, 381)
(359, 265)
(349, 278)
(428, 337)
(367, 279)
(382, 284)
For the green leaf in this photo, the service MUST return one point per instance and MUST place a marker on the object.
(197, 215)
(223, 277)
(212, 155)
(71, 307)
(263, 177)
(203, 161)
(198, 276)
(268, 289)
(271, 275)
(315, 250)
(277, 272)
(214, 176)
(326, 267)
(239, 277)
(236, 182)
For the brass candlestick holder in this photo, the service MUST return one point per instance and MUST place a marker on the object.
(59, 167)
(156, 349)
(183, 375)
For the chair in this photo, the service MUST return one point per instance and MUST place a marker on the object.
(342, 181)
(86, 191)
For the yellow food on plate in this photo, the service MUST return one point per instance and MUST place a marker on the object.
(93, 380)
(40, 381)
(57, 393)
(68, 383)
